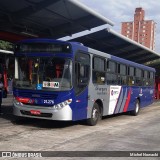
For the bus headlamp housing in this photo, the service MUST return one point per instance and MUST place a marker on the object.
(62, 104)
(17, 102)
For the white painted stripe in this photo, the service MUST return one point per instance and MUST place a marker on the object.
(114, 95)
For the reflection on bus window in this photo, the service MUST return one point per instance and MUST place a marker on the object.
(34, 71)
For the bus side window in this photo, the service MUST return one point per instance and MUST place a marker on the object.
(98, 70)
(138, 74)
(151, 78)
(131, 73)
(111, 75)
(122, 74)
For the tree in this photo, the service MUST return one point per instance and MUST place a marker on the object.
(6, 45)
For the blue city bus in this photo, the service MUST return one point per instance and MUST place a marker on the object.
(67, 81)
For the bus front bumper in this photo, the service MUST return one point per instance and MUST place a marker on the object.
(63, 114)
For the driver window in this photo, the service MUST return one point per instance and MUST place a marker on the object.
(82, 71)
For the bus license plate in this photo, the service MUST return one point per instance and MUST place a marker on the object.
(35, 112)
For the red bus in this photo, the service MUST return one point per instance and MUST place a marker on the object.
(157, 88)
(6, 68)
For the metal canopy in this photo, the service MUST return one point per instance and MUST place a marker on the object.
(46, 18)
(109, 41)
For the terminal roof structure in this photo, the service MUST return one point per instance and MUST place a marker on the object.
(46, 18)
(109, 41)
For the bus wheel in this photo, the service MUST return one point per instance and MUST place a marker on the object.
(95, 115)
(137, 108)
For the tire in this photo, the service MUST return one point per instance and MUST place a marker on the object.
(95, 115)
(135, 112)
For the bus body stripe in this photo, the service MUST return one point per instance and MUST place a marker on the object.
(119, 101)
(124, 101)
(127, 101)
(115, 97)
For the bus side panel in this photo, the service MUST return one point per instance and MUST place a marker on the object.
(136, 93)
(80, 104)
(144, 94)
(147, 96)
(133, 97)
(120, 97)
(98, 93)
(115, 99)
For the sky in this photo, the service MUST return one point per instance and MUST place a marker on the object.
(123, 11)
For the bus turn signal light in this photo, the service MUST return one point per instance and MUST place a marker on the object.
(22, 100)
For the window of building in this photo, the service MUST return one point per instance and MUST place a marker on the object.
(143, 43)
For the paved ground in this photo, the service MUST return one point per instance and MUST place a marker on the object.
(114, 133)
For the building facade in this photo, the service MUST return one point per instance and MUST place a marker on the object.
(140, 30)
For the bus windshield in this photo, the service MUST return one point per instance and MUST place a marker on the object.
(43, 73)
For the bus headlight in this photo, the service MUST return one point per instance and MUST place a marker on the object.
(17, 102)
(62, 104)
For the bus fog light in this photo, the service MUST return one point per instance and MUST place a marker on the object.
(62, 104)
(55, 106)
